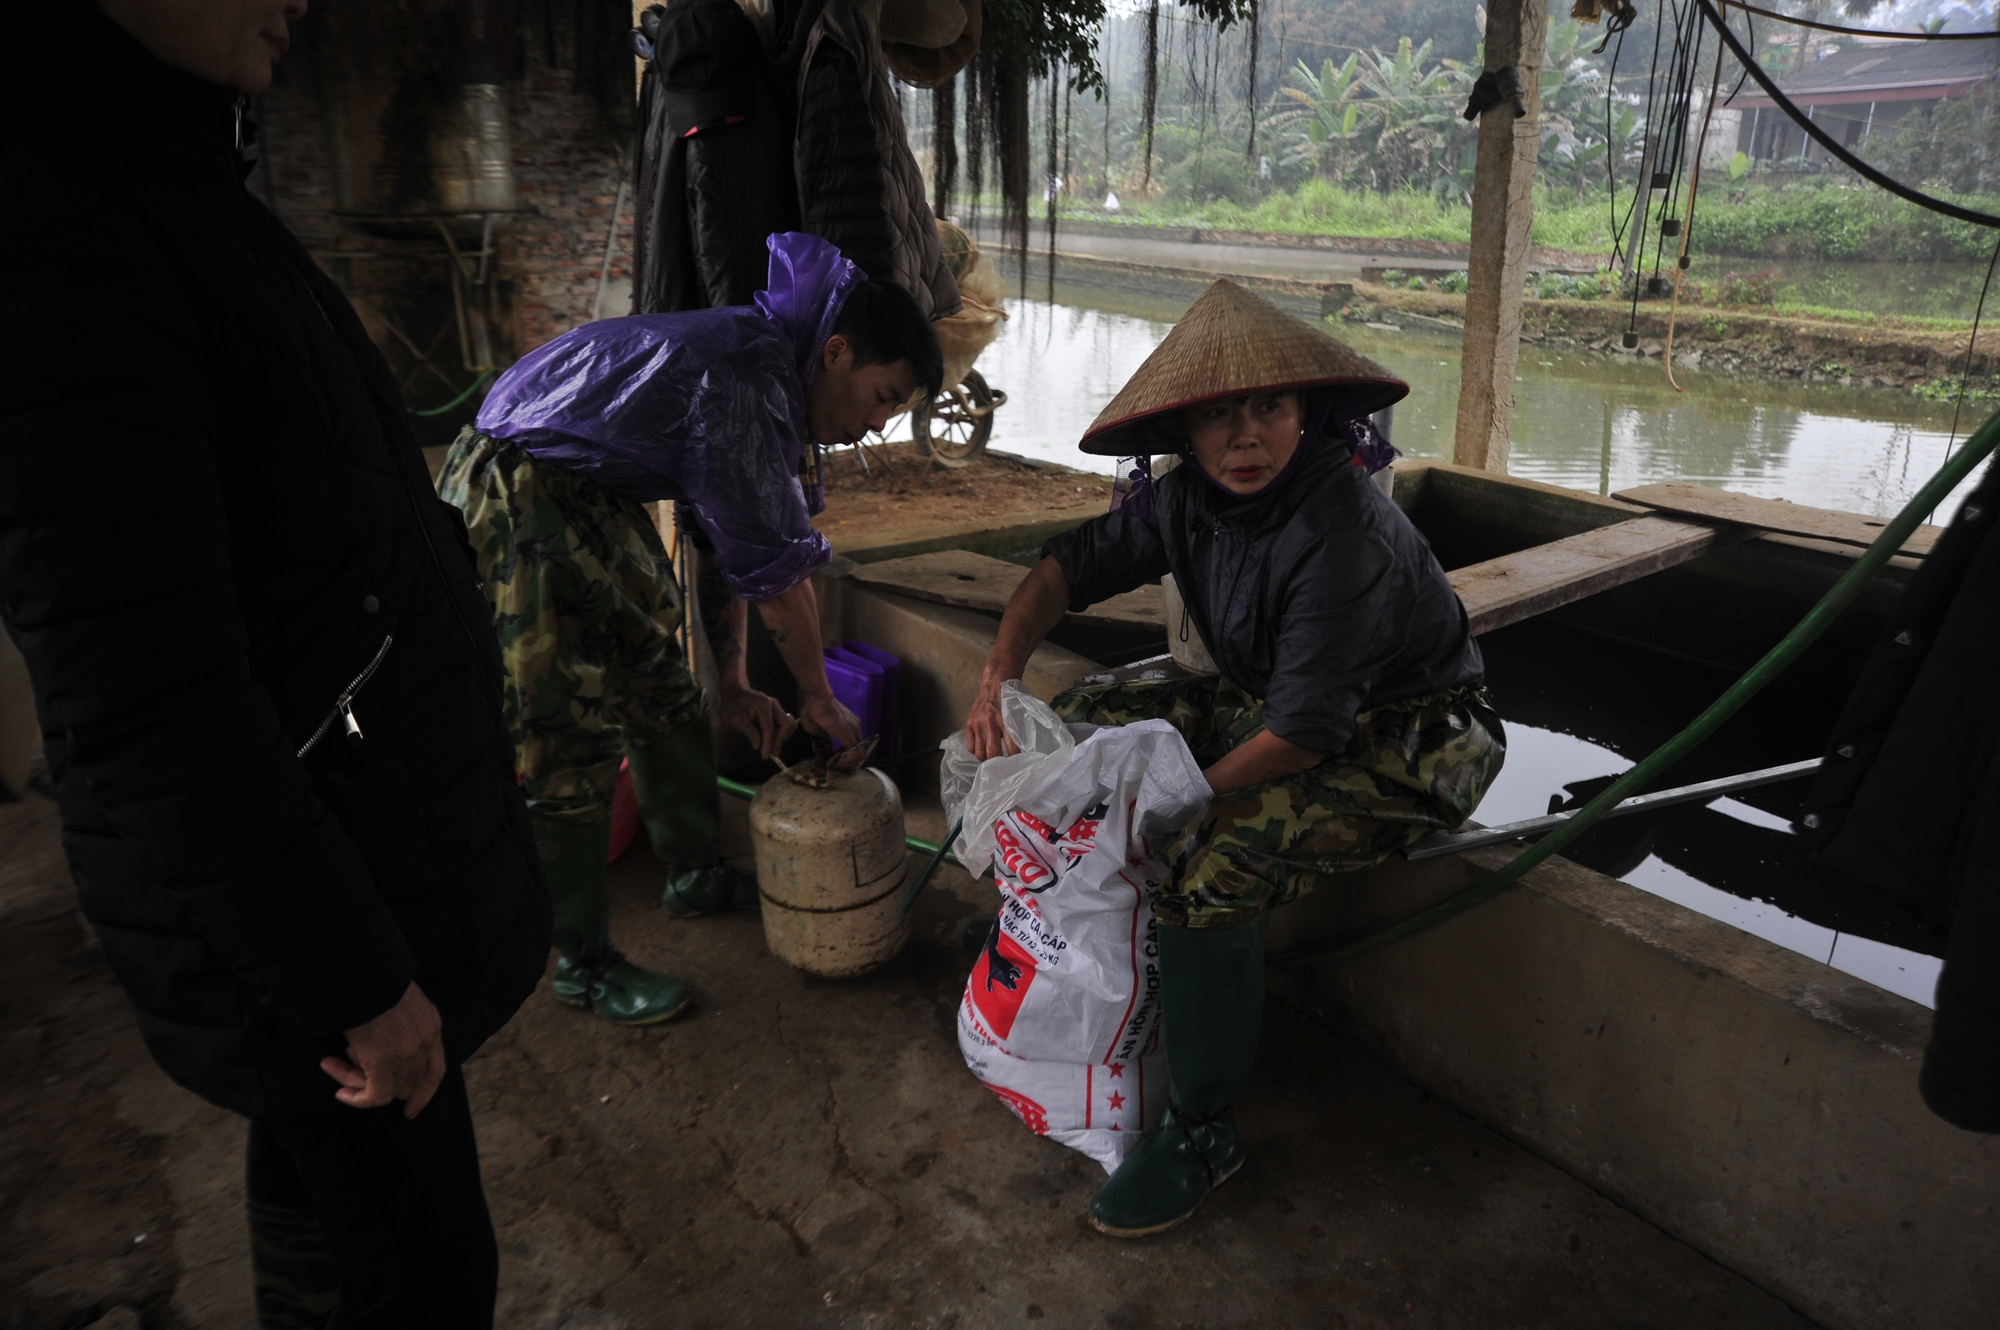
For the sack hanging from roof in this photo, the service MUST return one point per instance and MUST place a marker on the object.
(962, 336)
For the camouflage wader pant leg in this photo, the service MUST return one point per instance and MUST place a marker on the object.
(585, 606)
(1413, 767)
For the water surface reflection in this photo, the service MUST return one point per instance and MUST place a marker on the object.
(1581, 420)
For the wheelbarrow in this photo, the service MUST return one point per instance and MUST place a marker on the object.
(956, 423)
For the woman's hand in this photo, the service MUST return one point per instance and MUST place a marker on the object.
(1036, 606)
(985, 735)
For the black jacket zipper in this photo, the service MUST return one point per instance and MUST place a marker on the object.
(343, 706)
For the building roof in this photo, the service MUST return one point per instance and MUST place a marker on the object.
(1884, 72)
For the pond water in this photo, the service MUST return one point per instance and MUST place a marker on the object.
(1601, 425)
(1582, 420)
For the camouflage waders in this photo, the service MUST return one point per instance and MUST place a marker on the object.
(586, 609)
(1413, 767)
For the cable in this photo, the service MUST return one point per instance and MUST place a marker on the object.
(1646, 160)
(1965, 374)
(1794, 643)
(1825, 140)
(1687, 226)
(1865, 32)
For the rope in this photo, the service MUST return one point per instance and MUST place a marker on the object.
(471, 388)
(1825, 140)
(1807, 630)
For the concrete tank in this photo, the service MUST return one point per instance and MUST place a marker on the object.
(831, 868)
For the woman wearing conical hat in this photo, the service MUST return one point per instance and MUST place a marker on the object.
(1348, 719)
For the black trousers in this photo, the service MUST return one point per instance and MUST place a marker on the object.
(388, 1209)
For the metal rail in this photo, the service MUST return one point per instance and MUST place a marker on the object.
(1441, 843)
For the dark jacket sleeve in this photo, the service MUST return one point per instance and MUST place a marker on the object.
(1345, 618)
(843, 194)
(1109, 555)
(116, 583)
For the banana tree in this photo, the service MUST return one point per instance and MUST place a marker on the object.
(1322, 125)
(1416, 101)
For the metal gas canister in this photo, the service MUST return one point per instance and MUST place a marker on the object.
(831, 866)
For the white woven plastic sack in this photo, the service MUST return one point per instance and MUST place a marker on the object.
(1061, 1015)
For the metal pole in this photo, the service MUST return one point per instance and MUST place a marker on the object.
(610, 239)
(1443, 843)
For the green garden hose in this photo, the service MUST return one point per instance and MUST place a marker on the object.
(471, 388)
(1817, 620)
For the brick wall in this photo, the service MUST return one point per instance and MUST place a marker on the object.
(568, 164)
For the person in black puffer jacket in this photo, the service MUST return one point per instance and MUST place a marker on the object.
(267, 685)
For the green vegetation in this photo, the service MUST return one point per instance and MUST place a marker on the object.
(1946, 390)
(1812, 220)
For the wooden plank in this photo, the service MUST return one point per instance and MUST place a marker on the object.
(1792, 519)
(1533, 581)
(981, 582)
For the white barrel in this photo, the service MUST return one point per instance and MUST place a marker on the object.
(831, 866)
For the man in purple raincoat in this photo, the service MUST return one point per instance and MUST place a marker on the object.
(720, 410)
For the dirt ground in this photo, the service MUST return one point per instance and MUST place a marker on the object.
(806, 1153)
(901, 488)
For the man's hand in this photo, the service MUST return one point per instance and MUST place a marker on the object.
(822, 713)
(758, 717)
(398, 1055)
(985, 734)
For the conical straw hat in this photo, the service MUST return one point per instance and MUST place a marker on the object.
(1230, 343)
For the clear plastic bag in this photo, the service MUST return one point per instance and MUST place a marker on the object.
(981, 792)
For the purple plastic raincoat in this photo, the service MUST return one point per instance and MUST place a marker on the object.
(707, 407)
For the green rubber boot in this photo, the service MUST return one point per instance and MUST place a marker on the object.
(674, 780)
(589, 972)
(1212, 991)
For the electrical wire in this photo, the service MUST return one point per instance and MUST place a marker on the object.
(1826, 141)
(1646, 160)
(1679, 104)
(1864, 32)
(1687, 226)
(1965, 372)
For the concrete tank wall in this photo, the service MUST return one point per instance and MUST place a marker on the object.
(1757, 1104)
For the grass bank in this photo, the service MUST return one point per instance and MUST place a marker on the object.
(1822, 219)
(1823, 347)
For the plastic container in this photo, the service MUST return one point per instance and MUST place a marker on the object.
(892, 697)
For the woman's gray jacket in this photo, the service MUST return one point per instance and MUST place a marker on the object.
(1320, 598)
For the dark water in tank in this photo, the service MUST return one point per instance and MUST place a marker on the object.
(1581, 709)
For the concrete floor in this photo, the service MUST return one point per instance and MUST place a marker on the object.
(800, 1152)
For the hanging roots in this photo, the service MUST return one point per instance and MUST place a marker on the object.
(1152, 97)
(944, 146)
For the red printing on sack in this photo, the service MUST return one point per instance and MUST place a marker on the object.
(999, 982)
